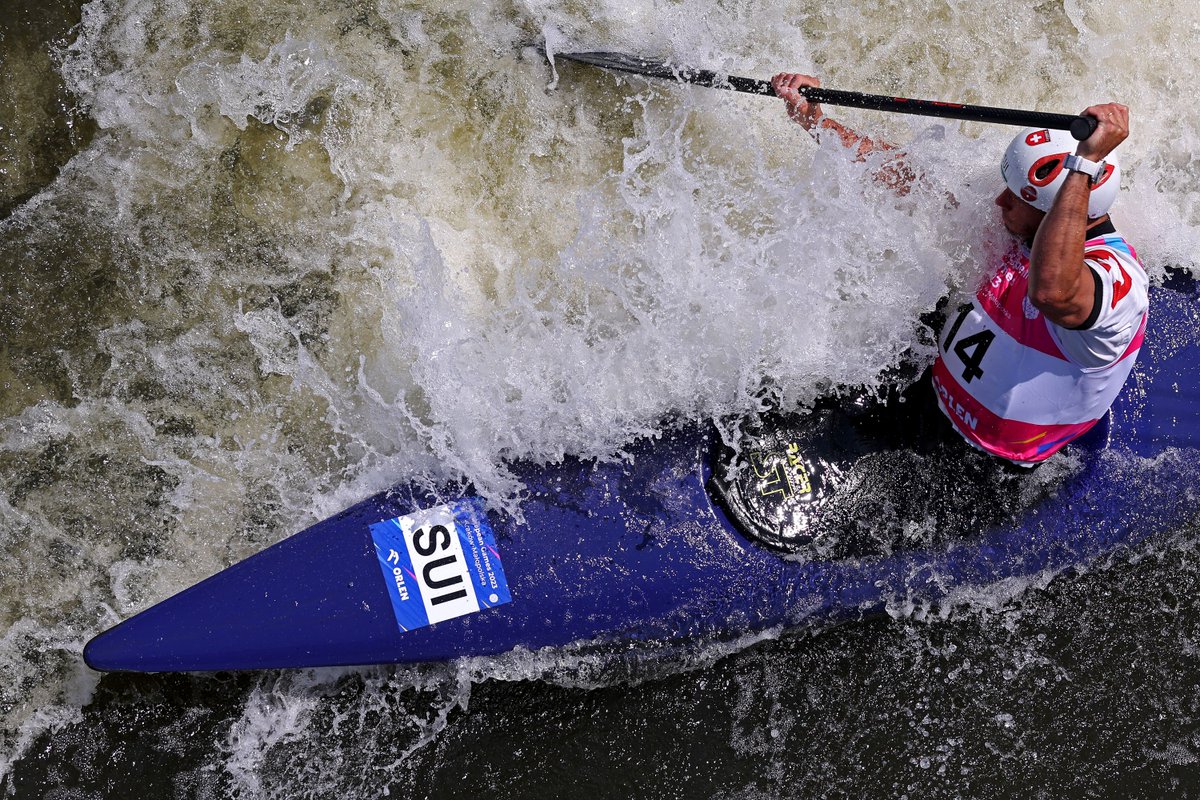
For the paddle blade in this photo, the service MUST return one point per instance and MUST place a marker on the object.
(623, 62)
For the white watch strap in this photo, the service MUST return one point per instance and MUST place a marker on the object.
(1094, 170)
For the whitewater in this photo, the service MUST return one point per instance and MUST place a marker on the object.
(260, 260)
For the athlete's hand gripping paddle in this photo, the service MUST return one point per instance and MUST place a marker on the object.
(1079, 126)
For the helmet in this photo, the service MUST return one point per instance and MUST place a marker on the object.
(1033, 169)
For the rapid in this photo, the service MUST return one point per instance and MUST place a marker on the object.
(260, 260)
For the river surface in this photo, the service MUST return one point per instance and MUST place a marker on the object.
(262, 259)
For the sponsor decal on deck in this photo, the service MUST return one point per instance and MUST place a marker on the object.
(440, 563)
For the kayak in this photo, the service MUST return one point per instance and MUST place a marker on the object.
(672, 544)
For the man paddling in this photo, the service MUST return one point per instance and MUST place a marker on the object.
(1055, 327)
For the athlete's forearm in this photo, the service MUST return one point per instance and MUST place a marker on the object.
(790, 86)
(1060, 284)
(850, 138)
(894, 173)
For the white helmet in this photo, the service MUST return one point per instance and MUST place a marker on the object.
(1033, 169)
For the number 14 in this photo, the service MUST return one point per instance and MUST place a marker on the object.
(971, 349)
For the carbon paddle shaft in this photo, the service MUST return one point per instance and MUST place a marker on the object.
(1079, 126)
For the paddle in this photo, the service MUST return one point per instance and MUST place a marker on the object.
(1080, 127)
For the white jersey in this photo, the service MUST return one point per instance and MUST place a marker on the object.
(1021, 387)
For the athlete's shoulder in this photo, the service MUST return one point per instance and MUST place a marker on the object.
(1119, 270)
(1112, 249)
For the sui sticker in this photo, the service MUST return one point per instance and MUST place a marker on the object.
(440, 563)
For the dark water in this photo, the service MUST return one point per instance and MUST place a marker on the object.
(40, 124)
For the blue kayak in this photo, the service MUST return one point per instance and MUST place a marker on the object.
(658, 547)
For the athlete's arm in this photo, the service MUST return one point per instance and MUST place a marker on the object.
(894, 174)
(1061, 285)
(812, 118)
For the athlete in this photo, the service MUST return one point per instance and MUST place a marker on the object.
(1054, 329)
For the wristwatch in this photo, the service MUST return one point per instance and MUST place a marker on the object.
(1094, 170)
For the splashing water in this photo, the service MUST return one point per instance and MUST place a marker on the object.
(292, 253)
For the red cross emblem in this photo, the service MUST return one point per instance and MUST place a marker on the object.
(1037, 137)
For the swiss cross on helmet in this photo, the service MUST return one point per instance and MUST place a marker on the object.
(1033, 169)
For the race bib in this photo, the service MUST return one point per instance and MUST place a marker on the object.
(440, 563)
